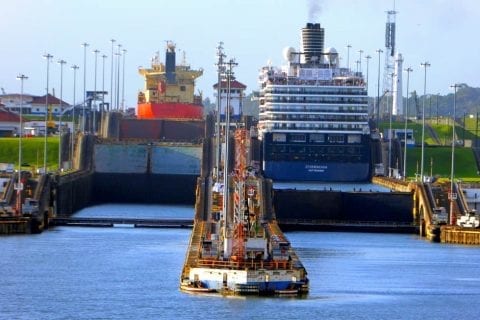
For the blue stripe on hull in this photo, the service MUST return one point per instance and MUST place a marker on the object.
(311, 171)
(262, 286)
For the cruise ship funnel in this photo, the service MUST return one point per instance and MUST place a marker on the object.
(313, 39)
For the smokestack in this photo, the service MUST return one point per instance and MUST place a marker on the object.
(313, 38)
(170, 63)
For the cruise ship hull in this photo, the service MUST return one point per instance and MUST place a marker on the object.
(315, 171)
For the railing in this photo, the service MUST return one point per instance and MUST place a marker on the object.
(245, 264)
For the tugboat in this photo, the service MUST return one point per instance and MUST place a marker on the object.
(236, 246)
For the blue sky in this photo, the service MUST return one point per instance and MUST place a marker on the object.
(442, 32)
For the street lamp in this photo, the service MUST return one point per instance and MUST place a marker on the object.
(424, 65)
(47, 56)
(103, 91)
(348, 56)
(390, 134)
(368, 57)
(124, 51)
(61, 62)
(117, 81)
(379, 51)
(453, 195)
(84, 45)
(19, 187)
(94, 100)
(409, 69)
(72, 143)
(111, 76)
(360, 60)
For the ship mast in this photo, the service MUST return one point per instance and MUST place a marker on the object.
(227, 231)
(221, 72)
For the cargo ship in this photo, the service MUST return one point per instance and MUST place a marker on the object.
(161, 148)
(169, 91)
(313, 119)
(236, 246)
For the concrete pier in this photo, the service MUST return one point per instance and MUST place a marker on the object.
(458, 235)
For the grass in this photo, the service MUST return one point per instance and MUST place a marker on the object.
(438, 154)
(32, 151)
(437, 162)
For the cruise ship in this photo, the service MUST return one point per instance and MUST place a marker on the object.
(313, 119)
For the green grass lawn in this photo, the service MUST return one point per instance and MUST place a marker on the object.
(438, 162)
(32, 151)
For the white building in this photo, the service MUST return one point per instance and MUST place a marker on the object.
(35, 105)
(237, 95)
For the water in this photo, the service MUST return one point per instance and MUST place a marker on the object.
(128, 273)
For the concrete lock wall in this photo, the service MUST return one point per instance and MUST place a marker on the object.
(346, 206)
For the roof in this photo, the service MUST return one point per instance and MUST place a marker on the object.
(233, 84)
(51, 100)
(15, 95)
(8, 116)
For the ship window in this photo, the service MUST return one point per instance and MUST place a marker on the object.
(279, 137)
(336, 138)
(297, 138)
(317, 137)
(354, 138)
(183, 88)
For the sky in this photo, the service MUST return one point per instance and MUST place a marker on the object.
(441, 32)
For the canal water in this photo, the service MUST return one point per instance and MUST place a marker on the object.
(128, 273)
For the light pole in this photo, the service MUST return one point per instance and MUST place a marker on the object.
(61, 62)
(368, 57)
(72, 142)
(348, 56)
(117, 87)
(124, 51)
(103, 92)
(379, 51)
(94, 100)
(360, 60)
(19, 187)
(453, 196)
(111, 75)
(409, 69)
(84, 45)
(47, 56)
(390, 134)
(424, 65)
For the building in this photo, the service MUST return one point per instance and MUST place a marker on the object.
(400, 134)
(237, 93)
(33, 105)
(9, 122)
